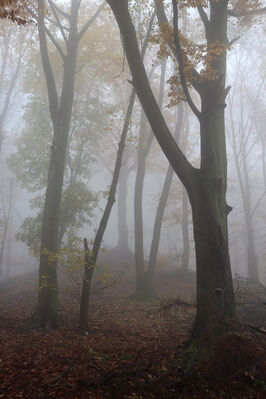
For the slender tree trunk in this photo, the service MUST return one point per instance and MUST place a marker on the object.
(12, 84)
(122, 244)
(185, 212)
(91, 260)
(244, 183)
(143, 150)
(185, 232)
(6, 222)
(159, 214)
(251, 251)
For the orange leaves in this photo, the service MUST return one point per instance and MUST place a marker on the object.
(196, 56)
(15, 10)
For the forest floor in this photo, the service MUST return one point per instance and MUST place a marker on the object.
(133, 350)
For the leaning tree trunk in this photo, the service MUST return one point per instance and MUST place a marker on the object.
(91, 259)
(206, 186)
(149, 292)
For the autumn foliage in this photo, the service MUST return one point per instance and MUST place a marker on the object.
(14, 10)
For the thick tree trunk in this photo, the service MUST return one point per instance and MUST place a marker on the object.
(47, 308)
(215, 295)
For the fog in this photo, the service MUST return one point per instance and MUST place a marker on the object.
(132, 199)
(245, 115)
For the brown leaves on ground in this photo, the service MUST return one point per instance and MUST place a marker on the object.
(134, 350)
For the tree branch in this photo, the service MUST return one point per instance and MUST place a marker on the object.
(51, 3)
(181, 62)
(59, 49)
(203, 17)
(175, 156)
(90, 21)
(49, 76)
(162, 19)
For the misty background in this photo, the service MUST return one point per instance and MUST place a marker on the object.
(101, 96)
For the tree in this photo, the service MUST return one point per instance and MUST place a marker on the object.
(90, 257)
(206, 186)
(60, 106)
(144, 146)
(243, 139)
(31, 160)
(14, 44)
(5, 217)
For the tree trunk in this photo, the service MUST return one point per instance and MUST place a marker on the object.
(91, 259)
(142, 279)
(160, 212)
(90, 262)
(215, 295)
(185, 215)
(244, 184)
(122, 244)
(185, 232)
(47, 308)
(60, 110)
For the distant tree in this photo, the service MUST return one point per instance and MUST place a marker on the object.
(243, 138)
(6, 205)
(14, 44)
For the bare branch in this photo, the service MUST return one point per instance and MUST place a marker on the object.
(49, 75)
(59, 49)
(257, 204)
(90, 21)
(52, 5)
(60, 11)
